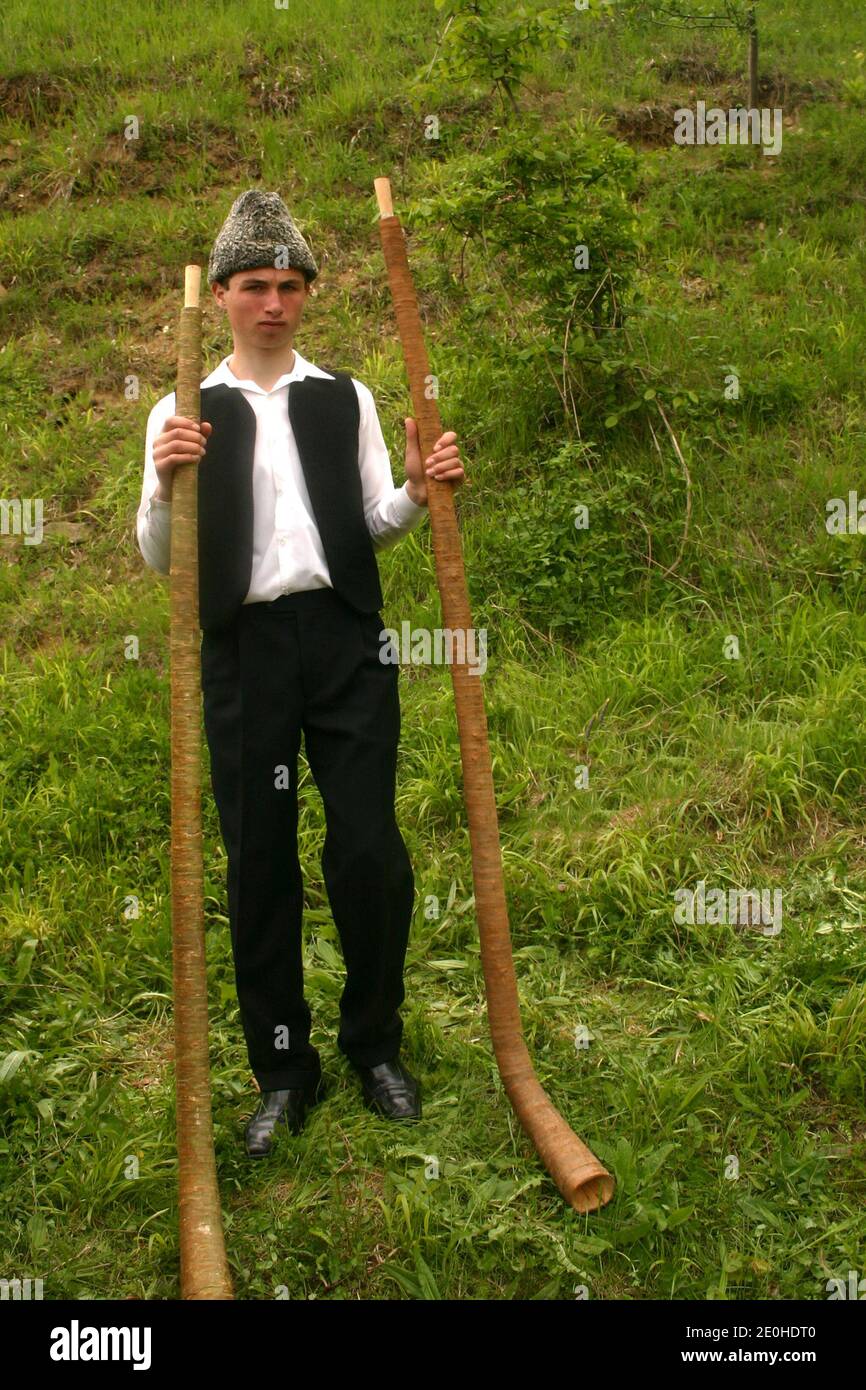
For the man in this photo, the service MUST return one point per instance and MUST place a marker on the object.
(295, 496)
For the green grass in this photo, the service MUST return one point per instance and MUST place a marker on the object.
(707, 1043)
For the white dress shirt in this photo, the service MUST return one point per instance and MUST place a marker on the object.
(287, 548)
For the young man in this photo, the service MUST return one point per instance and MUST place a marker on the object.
(295, 496)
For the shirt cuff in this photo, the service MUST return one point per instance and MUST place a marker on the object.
(406, 511)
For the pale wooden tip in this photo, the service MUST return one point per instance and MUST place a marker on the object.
(191, 286)
(383, 197)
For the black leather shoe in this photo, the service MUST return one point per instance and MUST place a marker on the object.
(287, 1107)
(391, 1090)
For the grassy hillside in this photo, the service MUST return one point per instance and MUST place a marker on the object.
(608, 649)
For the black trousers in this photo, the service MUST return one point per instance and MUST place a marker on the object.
(309, 661)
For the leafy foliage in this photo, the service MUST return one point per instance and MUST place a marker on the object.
(566, 566)
(547, 206)
(481, 42)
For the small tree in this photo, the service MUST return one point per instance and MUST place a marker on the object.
(550, 205)
(484, 44)
(739, 15)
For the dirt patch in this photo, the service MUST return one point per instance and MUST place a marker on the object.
(696, 287)
(652, 124)
(360, 1192)
(730, 88)
(650, 813)
(627, 816)
(148, 1057)
(689, 67)
(273, 89)
(147, 165)
(35, 97)
(776, 89)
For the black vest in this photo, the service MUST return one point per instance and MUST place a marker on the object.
(324, 416)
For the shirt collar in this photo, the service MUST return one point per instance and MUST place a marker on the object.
(225, 376)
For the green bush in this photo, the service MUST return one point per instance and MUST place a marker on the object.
(565, 576)
(537, 194)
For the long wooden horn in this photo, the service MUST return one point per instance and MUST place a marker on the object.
(576, 1171)
(204, 1271)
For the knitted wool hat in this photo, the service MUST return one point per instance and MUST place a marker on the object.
(259, 231)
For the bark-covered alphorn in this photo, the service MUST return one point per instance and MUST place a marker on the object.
(581, 1179)
(204, 1271)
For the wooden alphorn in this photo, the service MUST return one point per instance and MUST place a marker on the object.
(578, 1174)
(204, 1271)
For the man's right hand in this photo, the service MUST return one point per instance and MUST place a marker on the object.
(180, 441)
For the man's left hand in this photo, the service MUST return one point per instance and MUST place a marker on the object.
(443, 464)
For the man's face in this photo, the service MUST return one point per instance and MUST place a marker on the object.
(264, 306)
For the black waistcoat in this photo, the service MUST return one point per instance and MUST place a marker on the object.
(324, 416)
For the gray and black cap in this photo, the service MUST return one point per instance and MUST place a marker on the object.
(259, 231)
